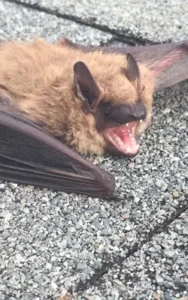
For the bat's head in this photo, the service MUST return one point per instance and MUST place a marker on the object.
(118, 93)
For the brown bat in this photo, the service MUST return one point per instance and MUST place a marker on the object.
(54, 97)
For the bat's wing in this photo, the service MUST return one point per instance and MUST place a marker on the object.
(29, 155)
(169, 62)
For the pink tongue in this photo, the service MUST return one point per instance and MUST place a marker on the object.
(125, 137)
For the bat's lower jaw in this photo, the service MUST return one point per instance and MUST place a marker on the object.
(122, 139)
(114, 151)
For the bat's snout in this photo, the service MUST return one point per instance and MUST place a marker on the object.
(123, 114)
(139, 111)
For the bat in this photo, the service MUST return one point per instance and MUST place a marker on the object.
(60, 101)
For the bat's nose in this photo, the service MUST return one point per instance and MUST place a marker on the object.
(139, 111)
(123, 114)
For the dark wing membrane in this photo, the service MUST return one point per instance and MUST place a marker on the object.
(168, 61)
(29, 155)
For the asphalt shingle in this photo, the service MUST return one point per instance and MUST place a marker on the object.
(154, 20)
(17, 22)
(52, 242)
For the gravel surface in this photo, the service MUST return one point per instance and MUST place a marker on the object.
(155, 20)
(158, 271)
(51, 242)
(22, 23)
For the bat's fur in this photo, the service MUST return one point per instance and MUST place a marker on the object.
(38, 77)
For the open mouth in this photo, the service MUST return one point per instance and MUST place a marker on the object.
(123, 138)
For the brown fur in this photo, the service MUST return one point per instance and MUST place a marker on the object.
(38, 77)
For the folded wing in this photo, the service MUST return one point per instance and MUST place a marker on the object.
(29, 155)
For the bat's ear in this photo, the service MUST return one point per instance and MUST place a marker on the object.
(132, 71)
(86, 86)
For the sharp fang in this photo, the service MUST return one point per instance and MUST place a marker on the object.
(127, 124)
(141, 121)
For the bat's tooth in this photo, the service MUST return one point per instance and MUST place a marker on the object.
(141, 121)
(127, 124)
